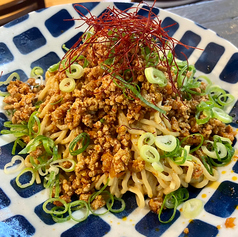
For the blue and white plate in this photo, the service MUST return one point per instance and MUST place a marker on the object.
(36, 40)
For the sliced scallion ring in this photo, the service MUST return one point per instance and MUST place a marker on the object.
(86, 140)
(59, 218)
(225, 99)
(36, 71)
(149, 154)
(122, 208)
(146, 139)
(53, 210)
(156, 76)
(214, 92)
(223, 139)
(54, 67)
(78, 205)
(221, 149)
(57, 162)
(203, 77)
(192, 208)
(75, 71)
(205, 119)
(67, 85)
(10, 164)
(166, 143)
(33, 177)
(10, 78)
(221, 115)
(32, 121)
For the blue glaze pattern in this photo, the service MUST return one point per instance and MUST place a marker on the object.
(224, 201)
(191, 39)
(4, 200)
(199, 228)
(36, 40)
(209, 58)
(5, 54)
(17, 226)
(29, 40)
(59, 23)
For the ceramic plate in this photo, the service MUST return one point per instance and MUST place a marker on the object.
(36, 40)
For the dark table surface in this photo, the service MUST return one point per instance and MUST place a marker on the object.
(220, 16)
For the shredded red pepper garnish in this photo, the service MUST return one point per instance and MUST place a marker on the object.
(127, 35)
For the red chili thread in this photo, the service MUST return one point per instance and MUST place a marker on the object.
(126, 33)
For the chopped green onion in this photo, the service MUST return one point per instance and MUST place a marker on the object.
(85, 63)
(70, 169)
(138, 95)
(109, 205)
(225, 99)
(193, 135)
(222, 139)
(172, 201)
(57, 186)
(214, 92)
(85, 143)
(207, 80)
(222, 162)
(33, 177)
(146, 138)
(19, 142)
(149, 154)
(93, 196)
(32, 120)
(182, 80)
(221, 150)
(36, 71)
(67, 85)
(123, 205)
(206, 113)
(166, 142)
(53, 210)
(47, 142)
(56, 155)
(221, 115)
(59, 218)
(10, 78)
(175, 153)
(192, 208)
(75, 71)
(78, 204)
(156, 76)
(37, 104)
(86, 36)
(179, 160)
(54, 67)
(18, 130)
(206, 162)
(65, 48)
(10, 164)
(205, 105)
(49, 179)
